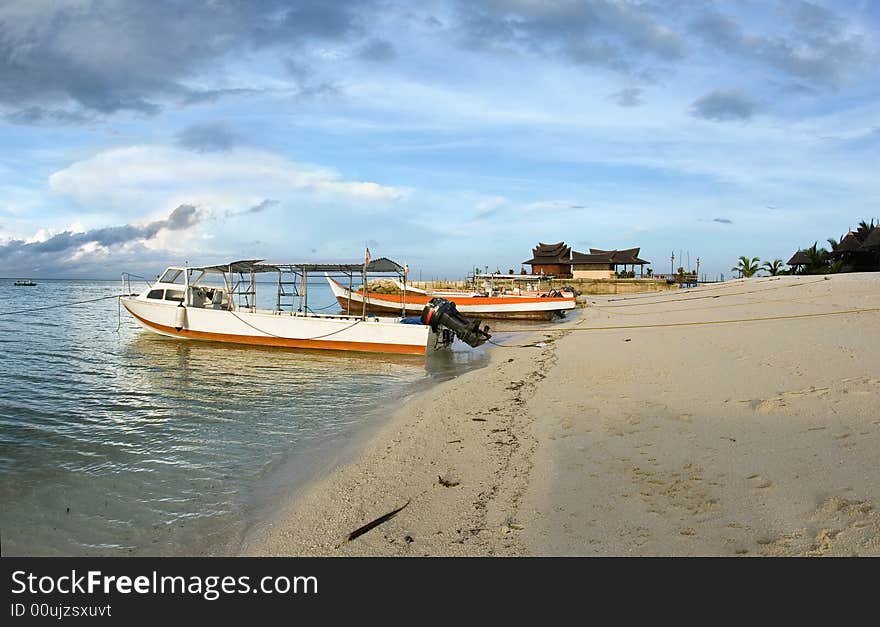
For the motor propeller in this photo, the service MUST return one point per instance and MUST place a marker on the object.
(440, 312)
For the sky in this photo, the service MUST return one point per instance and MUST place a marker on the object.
(442, 134)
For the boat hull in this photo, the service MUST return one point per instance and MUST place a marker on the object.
(266, 328)
(499, 307)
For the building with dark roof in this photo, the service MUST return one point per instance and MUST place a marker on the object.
(605, 264)
(857, 251)
(848, 244)
(551, 259)
(800, 258)
(860, 250)
(872, 241)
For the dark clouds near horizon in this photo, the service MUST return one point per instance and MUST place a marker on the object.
(51, 253)
(260, 207)
(268, 203)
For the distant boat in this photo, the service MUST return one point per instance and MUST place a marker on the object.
(24, 283)
(218, 303)
(544, 307)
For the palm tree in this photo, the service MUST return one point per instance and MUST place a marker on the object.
(819, 260)
(746, 267)
(773, 267)
(865, 230)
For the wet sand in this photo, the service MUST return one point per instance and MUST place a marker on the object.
(631, 431)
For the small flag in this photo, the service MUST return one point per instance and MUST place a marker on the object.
(367, 257)
(406, 268)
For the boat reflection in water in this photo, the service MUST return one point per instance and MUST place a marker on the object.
(281, 416)
(137, 444)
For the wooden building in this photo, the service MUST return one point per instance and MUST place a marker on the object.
(551, 259)
(606, 264)
(799, 260)
(859, 251)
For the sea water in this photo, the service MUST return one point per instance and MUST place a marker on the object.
(117, 441)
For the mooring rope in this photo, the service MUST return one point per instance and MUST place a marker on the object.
(682, 300)
(118, 314)
(532, 345)
(136, 276)
(746, 303)
(683, 324)
(69, 304)
(281, 337)
(334, 304)
(510, 331)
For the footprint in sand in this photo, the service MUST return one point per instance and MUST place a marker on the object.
(759, 482)
(769, 406)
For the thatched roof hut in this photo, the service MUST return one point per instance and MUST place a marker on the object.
(849, 244)
(872, 242)
(800, 258)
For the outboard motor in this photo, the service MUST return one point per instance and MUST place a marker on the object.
(440, 313)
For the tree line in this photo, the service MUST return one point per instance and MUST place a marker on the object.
(857, 251)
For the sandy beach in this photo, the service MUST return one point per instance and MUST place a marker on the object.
(738, 418)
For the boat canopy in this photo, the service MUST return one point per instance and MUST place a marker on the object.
(380, 265)
(245, 265)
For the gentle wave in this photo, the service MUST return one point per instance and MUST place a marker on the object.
(130, 443)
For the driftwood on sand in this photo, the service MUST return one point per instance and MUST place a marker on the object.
(375, 523)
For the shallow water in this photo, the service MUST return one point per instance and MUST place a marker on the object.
(120, 443)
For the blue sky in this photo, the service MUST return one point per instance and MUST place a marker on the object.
(445, 134)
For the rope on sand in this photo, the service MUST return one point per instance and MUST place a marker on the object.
(681, 300)
(681, 324)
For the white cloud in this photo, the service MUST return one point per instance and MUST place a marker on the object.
(148, 179)
(491, 203)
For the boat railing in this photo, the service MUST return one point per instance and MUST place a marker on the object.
(243, 292)
(292, 294)
(126, 282)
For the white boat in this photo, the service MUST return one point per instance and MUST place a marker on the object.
(442, 293)
(489, 289)
(544, 307)
(218, 303)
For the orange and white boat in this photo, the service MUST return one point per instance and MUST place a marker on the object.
(489, 289)
(218, 303)
(504, 306)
